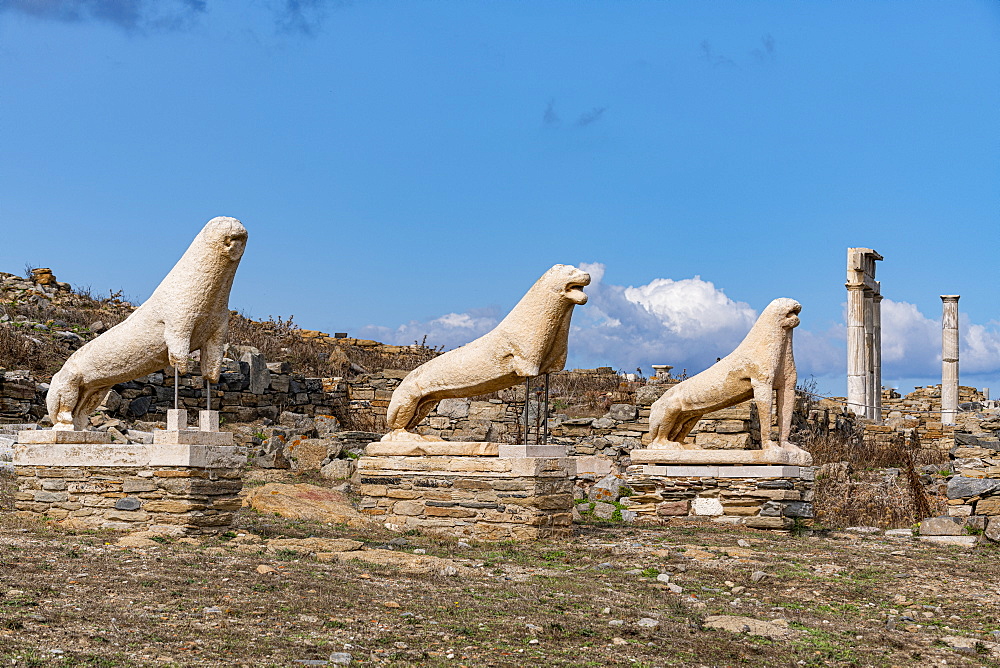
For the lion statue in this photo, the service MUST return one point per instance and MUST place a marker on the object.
(188, 311)
(760, 365)
(530, 341)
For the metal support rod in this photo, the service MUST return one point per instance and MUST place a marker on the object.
(177, 400)
(208, 395)
(538, 416)
(545, 423)
(527, 399)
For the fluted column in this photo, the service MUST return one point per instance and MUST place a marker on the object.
(856, 369)
(877, 354)
(869, 358)
(949, 358)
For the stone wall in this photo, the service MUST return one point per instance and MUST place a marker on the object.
(248, 390)
(169, 499)
(482, 498)
(761, 497)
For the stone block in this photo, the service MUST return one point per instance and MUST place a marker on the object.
(485, 410)
(673, 508)
(338, 469)
(942, 526)
(432, 448)
(722, 441)
(706, 507)
(52, 437)
(622, 412)
(797, 509)
(453, 408)
(306, 454)
(958, 541)
(961, 487)
(768, 522)
(506, 450)
(988, 506)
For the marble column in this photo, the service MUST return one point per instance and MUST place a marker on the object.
(949, 358)
(877, 352)
(856, 364)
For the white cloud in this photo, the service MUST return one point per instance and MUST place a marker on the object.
(687, 323)
(450, 330)
(690, 322)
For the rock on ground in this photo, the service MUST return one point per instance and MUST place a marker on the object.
(305, 502)
(415, 564)
(775, 630)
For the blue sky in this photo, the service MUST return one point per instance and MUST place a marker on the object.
(410, 168)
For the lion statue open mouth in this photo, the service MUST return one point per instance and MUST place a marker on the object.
(530, 341)
(762, 365)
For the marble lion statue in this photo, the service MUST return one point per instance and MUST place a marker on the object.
(760, 365)
(530, 341)
(188, 311)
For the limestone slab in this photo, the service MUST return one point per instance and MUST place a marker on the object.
(128, 455)
(507, 450)
(52, 436)
(593, 464)
(80, 454)
(959, 541)
(759, 472)
(432, 448)
(198, 456)
(709, 457)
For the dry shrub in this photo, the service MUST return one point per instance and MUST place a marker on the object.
(280, 340)
(8, 488)
(853, 486)
(364, 421)
(373, 359)
(22, 348)
(581, 394)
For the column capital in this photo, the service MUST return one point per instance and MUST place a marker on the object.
(855, 286)
(950, 299)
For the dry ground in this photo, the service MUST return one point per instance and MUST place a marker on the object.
(77, 599)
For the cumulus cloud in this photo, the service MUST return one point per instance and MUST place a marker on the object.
(450, 330)
(911, 343)
(689, 322)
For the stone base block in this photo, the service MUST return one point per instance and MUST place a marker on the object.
(761, 497)
(709, 457)
(134, 454)
(507, 450)
(62, 437)
(192, 437)
(190, 488)
(432, 448)
(470, 497)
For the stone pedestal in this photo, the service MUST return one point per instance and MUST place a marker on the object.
(772, 456)
(440, 488)
(761, 497)
(186, 481)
